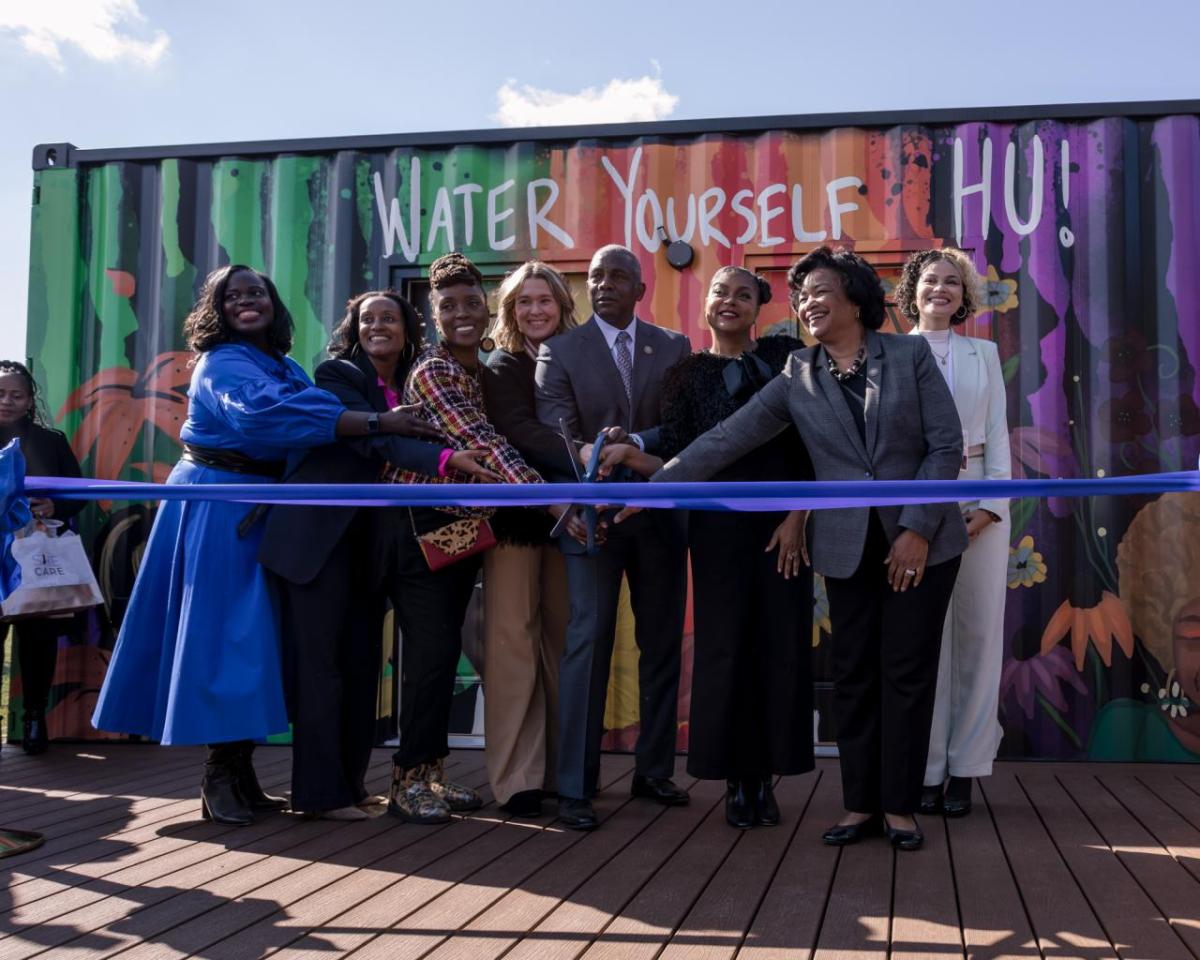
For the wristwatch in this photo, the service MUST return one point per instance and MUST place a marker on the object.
(373, 423)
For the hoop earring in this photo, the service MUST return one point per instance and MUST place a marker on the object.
(961, 312)
(912, 310)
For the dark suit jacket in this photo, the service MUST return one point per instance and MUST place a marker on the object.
(913, 433)
(48, 454)
(298, 539)
(577, 380)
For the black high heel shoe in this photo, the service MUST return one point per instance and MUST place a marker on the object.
(220, 800)
(247, 781)
(766, 808)
(905, 839)
(739, 810)
(957, 802)
(844, 834)
(931, 801)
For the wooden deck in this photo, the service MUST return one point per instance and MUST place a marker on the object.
(1056, 861)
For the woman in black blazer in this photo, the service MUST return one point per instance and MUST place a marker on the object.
(332, 563)
(47, 454)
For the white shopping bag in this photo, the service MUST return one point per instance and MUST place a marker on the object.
(56, 576)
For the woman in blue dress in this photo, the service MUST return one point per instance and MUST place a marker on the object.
(197, 659)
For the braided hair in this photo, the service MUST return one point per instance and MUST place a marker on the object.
(35, 413)
(453, 269)
(760, 283)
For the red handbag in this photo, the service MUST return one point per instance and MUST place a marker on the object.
(454, 541)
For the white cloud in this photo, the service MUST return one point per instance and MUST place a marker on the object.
(620, 101)
(99, 28)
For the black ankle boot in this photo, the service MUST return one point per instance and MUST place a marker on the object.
(247, 781)
(766, 809)
(33, 734)
(739, 808)
(219, 797)
(957, 802)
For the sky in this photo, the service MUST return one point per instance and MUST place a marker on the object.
(117, 73)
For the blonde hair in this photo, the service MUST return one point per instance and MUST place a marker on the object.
(505, 332)
(973, 285)
(1158, 565)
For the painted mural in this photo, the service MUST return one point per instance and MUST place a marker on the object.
(1088, 233)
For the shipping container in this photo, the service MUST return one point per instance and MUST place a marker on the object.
(1085, 221)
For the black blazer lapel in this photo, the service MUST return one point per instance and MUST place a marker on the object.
(874, 388)
(605, 362)
(372, 390)
(837, 402)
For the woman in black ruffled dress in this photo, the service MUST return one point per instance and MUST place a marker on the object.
(752, 701)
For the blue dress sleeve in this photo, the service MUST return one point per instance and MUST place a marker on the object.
(279, 408)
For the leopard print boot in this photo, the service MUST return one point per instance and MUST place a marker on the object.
(410, 798)
(458, 798)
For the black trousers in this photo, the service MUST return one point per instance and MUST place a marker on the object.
(430, 608)
(885, 661)
(37, 653)
(752, 694)
(652, 556)
(332, 629)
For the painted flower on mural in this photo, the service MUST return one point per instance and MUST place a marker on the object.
(820, 610)
(117, 403)
(1128, 357)
(1171, 698)
(1044, 675)
(1025, 565)
(999, 294)
(1181, 418)
(1096, 625)
(1124, 419)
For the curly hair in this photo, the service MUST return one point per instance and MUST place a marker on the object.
(343, 343)
(205, 326)
(35, 413)
(859, 279)
(453, 269)
(760, 283)
(505, 332)
(914, 266)
(1158, 566)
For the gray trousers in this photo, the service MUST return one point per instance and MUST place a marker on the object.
(653, 559)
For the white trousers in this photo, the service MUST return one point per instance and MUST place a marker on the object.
(966, 729)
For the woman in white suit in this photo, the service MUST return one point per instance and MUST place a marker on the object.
(938, 290)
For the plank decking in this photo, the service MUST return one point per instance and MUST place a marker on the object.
(1057, 860)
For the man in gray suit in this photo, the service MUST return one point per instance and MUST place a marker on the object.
(609, 373)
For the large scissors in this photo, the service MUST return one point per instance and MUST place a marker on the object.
(589, 475)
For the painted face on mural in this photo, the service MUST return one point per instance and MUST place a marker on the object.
(462, 315)
(1186, 642)
(537, 313)
(939, 294)
(15, 398)
(614, 286)
(247, 305)
(732, 302)
(381, 329)
(822, 306)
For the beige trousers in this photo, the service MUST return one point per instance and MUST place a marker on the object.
(966, 728)
(525, 622)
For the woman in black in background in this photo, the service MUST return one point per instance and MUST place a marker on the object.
(334, 563)
(751, 713)
(47, 454)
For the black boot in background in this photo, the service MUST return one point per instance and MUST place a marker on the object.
(219, 797)
(247, 781)
(33, 734)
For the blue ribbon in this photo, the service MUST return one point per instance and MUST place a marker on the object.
(811, 495)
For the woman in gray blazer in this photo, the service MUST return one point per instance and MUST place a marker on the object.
(867, 407)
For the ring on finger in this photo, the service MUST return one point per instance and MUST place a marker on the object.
(910, 572)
